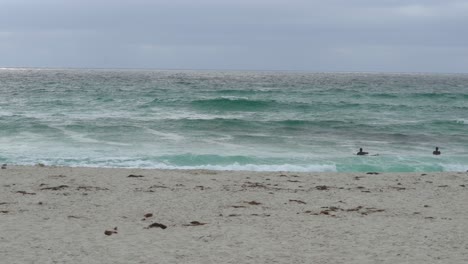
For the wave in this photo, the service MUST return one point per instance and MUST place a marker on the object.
(246, 92)
(435, 96)
(294, 123)
(455, 167)
(234, 104)
(383, 163)
(146, 164)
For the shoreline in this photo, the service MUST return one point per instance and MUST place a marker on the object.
(116, 215)
(214, 168)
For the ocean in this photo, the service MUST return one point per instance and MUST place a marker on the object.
(234, 120)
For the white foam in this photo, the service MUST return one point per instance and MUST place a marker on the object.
(170, 136)
(454, 167)
(234, 98)
(232, 167)
(82, 138)
(6, 114)
(253, 167)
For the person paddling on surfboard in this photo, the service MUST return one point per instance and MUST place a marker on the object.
(436, 151)
(361, 153)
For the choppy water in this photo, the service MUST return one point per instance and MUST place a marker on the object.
(234, 120)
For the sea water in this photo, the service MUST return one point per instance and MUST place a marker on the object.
(267, 121)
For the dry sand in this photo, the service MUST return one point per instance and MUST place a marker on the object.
(61, 215)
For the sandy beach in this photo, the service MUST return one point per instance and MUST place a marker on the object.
(96, 215)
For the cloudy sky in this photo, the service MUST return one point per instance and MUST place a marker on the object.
(332, 35)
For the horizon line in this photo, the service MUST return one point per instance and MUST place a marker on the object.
(227, 70)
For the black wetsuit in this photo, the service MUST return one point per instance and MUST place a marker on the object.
(361, 153)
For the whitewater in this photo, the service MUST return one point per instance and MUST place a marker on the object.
(234, 120)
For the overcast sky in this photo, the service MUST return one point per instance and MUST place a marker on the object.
(326, 35)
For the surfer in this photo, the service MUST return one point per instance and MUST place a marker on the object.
(436, 151)
(361, 153)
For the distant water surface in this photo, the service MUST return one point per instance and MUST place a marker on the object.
(271, 121)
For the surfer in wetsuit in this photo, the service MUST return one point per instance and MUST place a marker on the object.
(361, 153)
(436, 151)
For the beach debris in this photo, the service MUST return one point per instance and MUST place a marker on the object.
(297, 201)
(4, 166)
(24, 193)
(426, 205)
(462, 185)
(373, 173)
(253, 203)
(265, 215)
(195, 223)
(146, 216)
(57, 176)
(238, 206)
(293, 181)
(442, 186)
(153, 225)
(74, 217)
(91, 188)
(233, 215)
(328, 210)
(55, 188)
(370, 210)
(40, 165)
(354, 209)
(321, 187)
(111, 232)
(135, 176)
(253, 185)
(142, 190)
(40, 203)
(158, 186)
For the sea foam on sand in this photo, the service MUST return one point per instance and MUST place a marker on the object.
(94, 215)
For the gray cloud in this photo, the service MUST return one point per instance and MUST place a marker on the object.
(356, 35)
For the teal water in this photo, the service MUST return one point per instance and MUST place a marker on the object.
(271, 121)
